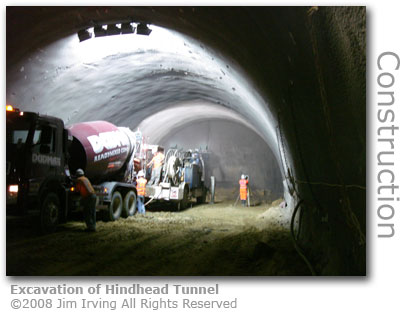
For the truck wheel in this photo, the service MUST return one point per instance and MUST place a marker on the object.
(212, 188)
(50, 213)
(115, 207)
(130, 204)
(202, 198)
(185, 201)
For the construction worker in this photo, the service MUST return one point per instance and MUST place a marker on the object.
(195, 158)
(88, 199)
(243, 189)
(141, 191)
(156, 163)
(137, 166)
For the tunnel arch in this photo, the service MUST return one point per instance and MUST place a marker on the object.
(178, 115)
(173, 127)
(308, 63)
(187, 71)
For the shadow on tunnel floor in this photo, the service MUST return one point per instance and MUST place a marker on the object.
(154, 245)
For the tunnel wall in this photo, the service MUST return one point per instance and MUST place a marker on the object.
(322, 112)
(310, 65)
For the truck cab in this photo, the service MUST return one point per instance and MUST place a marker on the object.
(37, 176)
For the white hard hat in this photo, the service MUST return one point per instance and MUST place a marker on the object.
(141, 174)
(243, 176)
(79, 173)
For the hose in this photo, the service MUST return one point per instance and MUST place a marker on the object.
(151, 199)
(299, 226)
(297, 248)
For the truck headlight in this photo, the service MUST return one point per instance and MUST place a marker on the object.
(13, 188)
(12, 194)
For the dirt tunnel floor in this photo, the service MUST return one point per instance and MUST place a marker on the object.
(204, 240)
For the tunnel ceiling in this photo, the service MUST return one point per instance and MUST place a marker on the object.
(307, 66)
(163, 123)
(125, 79)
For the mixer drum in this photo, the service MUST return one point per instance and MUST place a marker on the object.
(99, 148)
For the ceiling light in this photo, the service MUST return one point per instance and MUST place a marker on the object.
(113, 30)
(84, 35)
(143, 29)
(127, 28)
(99, 31)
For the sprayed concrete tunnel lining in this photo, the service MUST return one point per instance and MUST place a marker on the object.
(168, 68)
(309, 68)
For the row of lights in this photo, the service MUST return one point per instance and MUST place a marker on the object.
(114, 29)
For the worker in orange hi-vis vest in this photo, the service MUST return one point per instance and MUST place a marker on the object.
(141, 190)
(156, 163)
(88, 199)
(243, 189)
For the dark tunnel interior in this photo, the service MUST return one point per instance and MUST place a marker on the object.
(276, 92)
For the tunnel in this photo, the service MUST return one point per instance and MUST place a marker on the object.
(276, 92)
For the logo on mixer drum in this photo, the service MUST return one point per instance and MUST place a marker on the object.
(115, 142)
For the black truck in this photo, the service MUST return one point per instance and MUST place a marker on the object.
(41, 154)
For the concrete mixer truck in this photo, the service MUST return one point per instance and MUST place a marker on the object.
(42, 155)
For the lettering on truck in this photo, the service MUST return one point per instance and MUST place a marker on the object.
(46, 160)
(115, 142)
